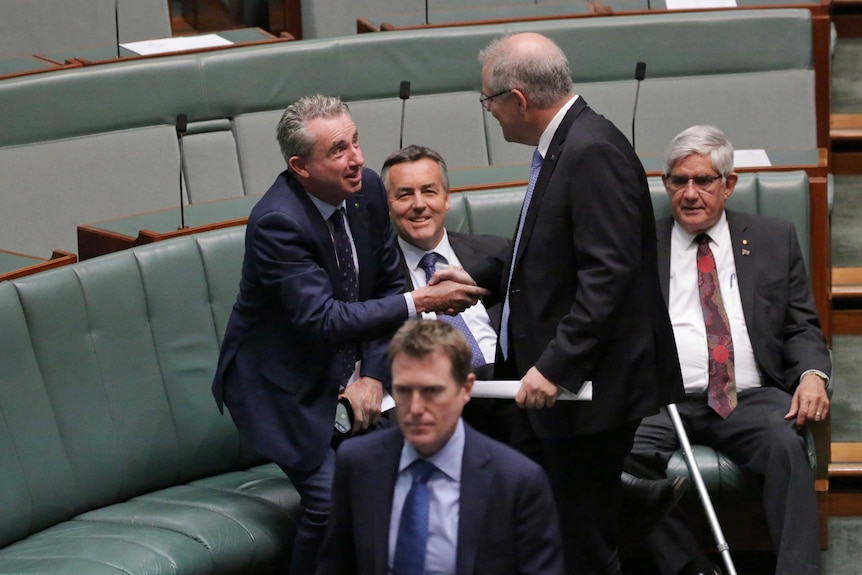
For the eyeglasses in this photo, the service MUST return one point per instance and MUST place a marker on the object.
(702, 183)
(485, 99)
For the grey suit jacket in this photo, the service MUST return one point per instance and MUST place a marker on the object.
(776, 298)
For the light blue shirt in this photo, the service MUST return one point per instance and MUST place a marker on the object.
(444, 503)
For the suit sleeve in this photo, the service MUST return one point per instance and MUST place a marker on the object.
(288, 259)
(804, 345)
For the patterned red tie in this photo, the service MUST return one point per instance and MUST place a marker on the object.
(721, 390)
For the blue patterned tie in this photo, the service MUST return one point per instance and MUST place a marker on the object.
(412, 541)
(347, 288)
(535, 168)
(428, 264)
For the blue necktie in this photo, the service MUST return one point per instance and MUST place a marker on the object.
(412, 542)
(347, 288)
(535, 168)
(428, 264)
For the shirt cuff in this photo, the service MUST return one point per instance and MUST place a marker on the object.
(411, 305)
(817, 372)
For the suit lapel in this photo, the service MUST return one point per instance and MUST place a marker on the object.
(549, 164)
(319, 229)
(474, 499)
(382, 473)
(663, 231)
(742, 250)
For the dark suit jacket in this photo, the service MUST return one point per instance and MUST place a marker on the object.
(472, 249)
(287, 328)
(585, 298)
(779, 309)
(507, 520)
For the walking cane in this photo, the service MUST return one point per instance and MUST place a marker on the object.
(720, 542)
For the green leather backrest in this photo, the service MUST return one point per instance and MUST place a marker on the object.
(106, 368)
(782, 195)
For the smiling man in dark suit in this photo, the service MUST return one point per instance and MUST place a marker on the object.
(321, 293)
(750, 390)
(581, 295)
(434, 495)
(417, 186)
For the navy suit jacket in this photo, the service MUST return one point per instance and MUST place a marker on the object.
(507, 521)
(585, 298)
(779, 309)
(275, 370)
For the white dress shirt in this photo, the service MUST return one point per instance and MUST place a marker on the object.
(686, 314)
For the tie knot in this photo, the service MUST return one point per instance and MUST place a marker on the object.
(537, 160)
(422, 470)
(702, 239)
(337, 219)
(428, 263)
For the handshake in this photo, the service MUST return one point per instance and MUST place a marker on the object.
(450, 291)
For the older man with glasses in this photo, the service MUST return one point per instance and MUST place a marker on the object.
(753, 359)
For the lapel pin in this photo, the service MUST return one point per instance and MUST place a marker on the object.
(745, 252)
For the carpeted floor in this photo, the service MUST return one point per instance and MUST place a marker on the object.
(847, 391)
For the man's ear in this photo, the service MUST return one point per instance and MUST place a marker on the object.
(297, 166)
(521, 99)
(729, 184)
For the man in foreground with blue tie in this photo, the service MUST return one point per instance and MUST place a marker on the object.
(753, 359)
(434, 495)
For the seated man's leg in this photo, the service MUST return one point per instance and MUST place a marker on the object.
(672, 545)
(758, 438)
(315, 490)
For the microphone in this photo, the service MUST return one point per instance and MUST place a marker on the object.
(640, 74)
(182, 128)
(117, 24)
(404, 94)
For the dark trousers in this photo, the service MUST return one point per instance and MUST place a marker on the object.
(585, 476)
(758, 438)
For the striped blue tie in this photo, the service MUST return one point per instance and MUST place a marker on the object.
(428, 263)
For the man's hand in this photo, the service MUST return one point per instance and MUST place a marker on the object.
(536, 391)
(810, 402)
(364, 395)
(450, 291)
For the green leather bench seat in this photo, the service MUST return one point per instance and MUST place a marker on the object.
(114, 456)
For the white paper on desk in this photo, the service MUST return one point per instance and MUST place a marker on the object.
(175, 44)
(686, 4)
(750, 159)
(507, 389)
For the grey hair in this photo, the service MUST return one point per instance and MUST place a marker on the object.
(703, 140)
(294, 137)
(414, 153)
(542, 74)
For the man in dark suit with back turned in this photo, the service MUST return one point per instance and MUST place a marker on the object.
(320, 294)
(484, 509)
(581, 295)
(749, 390)
(417, 186)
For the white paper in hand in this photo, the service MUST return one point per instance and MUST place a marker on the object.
(508, 389)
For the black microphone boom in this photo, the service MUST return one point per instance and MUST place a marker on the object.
(404, 94)
(182, 128)
(117, 24)
(640, 74)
